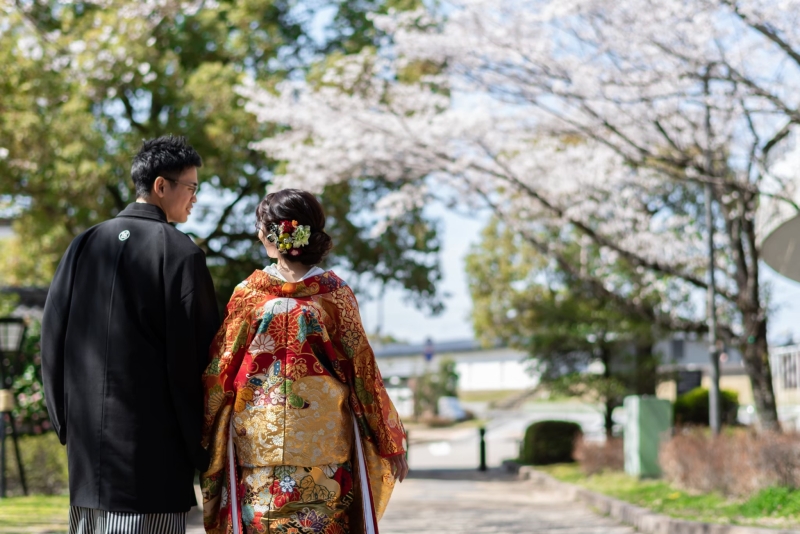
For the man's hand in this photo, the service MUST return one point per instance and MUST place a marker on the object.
(399, 467)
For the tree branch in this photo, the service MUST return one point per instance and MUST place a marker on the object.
(596, 285)
(631, 257)
(217, 231)
(129, 112)
(764, 30)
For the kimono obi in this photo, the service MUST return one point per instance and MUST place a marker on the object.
(289, 407)
(305, 422)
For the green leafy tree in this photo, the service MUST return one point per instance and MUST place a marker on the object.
(82, 83)
(584, 345)
(434, 384)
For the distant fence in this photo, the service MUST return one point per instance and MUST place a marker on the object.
(785, 366)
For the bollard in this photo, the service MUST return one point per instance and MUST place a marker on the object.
(482, 433)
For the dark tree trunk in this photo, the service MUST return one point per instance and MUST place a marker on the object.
(610, 401)
(646, 370)
(607, 420)
(740, 216)
(755, 353)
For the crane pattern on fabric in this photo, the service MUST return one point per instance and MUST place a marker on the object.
(289, 365)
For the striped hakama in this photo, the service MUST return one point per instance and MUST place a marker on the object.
(90, 521)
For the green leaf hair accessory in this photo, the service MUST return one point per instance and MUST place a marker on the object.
(289, 236)
(300, 236)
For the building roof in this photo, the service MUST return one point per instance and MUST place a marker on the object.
(439, 347)
(29, 297)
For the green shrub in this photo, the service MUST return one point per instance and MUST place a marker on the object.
(772, 501)
(549, 442)
(691, 408)
(44, 460)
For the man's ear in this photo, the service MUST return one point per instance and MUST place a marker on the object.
(159, 185)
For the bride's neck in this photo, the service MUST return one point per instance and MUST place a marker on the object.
(293, 271)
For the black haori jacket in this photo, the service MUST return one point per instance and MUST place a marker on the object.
(127, 325)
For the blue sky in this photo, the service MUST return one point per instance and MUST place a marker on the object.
(403, 321)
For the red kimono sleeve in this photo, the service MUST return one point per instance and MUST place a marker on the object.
(374, 411)
(226, 355)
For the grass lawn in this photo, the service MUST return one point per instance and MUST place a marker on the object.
(773, 507)
(488, 395)
(36, 514)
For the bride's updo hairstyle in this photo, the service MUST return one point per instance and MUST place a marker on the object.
(303, 207)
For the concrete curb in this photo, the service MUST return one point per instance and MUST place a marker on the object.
(641, 519)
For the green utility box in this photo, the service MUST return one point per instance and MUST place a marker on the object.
(648, 424)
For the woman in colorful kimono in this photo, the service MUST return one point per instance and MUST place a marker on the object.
(302, 435)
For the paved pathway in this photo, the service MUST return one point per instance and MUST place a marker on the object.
(464, 501)
(468, 502)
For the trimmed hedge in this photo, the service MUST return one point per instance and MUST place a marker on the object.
(549, 442)
(691, 408)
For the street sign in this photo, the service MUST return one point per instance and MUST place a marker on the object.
(781, 249)
(428, 350)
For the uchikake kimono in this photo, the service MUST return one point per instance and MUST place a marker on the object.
(298, 422)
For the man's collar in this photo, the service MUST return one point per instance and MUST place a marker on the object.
(144, 211)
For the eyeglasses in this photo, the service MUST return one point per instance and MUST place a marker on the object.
(194, 188)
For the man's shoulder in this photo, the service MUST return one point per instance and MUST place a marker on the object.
(182, 242)
(176, 243)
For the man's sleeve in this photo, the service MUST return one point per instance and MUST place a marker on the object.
(193, 323)
(54, 331)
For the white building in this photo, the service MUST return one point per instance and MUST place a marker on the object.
(479, 368)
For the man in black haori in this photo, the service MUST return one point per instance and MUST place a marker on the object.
(127, 325)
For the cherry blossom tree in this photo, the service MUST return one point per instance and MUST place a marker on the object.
(606, 119)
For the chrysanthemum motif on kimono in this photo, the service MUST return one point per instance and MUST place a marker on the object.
(262, 343)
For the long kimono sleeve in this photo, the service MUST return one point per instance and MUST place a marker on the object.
(226, 355)
(376, 415)
(54, 331)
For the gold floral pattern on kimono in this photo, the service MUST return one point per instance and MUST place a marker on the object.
(290, 369)
(298, 500)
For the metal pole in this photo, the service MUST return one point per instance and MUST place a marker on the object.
(15, 440)
(714, 412)
(482, 434)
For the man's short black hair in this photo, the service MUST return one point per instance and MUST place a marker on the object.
(167, 156)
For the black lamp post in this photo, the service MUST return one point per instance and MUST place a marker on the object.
(12, 335)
